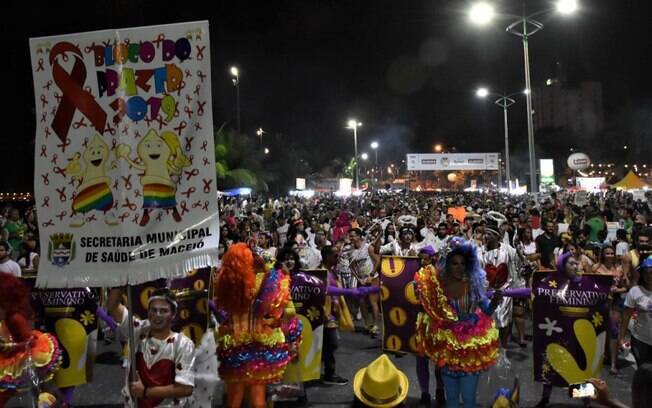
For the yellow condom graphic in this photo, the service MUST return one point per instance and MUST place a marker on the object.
(593, 346)
(72, 337)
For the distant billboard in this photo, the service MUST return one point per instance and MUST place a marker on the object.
(452, 161)
(547, 171)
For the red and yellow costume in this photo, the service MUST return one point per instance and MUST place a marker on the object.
(459, 336)
(19, 343)
(258, 336)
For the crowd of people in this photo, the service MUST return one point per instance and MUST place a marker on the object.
(469, 244)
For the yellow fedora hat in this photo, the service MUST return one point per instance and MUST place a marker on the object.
(381, 384)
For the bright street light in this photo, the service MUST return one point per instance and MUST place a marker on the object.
(481, 13)
(526, 91)
(567, 6)
(235, 73)
(439, 148)
(266, 151)
(374, 145)
(482, 92)
(364, 156)
(354, 124)
(523, 27)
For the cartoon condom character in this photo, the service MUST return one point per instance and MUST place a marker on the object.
(159, 157)
(90, 168)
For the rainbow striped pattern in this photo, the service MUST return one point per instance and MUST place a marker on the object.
(159, 196)
(94, 197)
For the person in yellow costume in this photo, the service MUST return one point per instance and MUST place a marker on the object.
(160, 157)
(456, 330)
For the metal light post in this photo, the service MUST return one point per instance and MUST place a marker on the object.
(524, 27)
(374, 146)
(354, 124)
(504, 101)
(260, 132)
(235, 78)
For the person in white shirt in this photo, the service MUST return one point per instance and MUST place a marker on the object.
(282, 231)
(165, 359)
(639, 299)
(442, 237)
(405, 246)
(7, 265)
(622, 247)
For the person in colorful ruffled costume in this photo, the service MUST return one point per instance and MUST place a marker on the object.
(19, 343)
(456, 330)
(255, 340)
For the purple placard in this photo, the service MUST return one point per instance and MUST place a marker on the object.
(570, 327)
(399, 303)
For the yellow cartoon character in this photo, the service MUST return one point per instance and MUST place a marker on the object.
(160, 157)
(90, 168)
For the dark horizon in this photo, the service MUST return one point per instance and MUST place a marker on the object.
(407, 70)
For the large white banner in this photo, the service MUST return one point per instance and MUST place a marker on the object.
(452, 161)
(124, 168)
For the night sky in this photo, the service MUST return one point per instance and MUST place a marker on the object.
(406, 69)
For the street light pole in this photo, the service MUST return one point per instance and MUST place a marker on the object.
(530, 122)
(235, 73)
(354, 124)
(504, 101)
(507, 172)
(481, 14)
(357, 165)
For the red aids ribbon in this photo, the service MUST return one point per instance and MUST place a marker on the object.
(197, 90)
(129, 205)
(123, 216)
(189, 192)
(48, 224)
(188, 111)
(181, 126)
(48, 85)
(201, 75)
(200, 108)
(44, 151)
(44, 101)
(44, 117)
(189, 143)
(205, 207)
(204, 145)
(198, 127)
(54, 159)
(188, 99)
(127, 181)
(74, 96)
(46, 201)
(200, 52)
(188, 73)
(184, 207)
(205, 161)
(207, 185)
(47, 132)
(40, 65)
(137, 193)
(62, 215)
(191, 174)
(63, 145)
(79, 124)
(46, 178)
(62, 194)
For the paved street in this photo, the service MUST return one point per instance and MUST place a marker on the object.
(356, 351)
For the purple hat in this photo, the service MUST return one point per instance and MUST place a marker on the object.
(428, 250)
